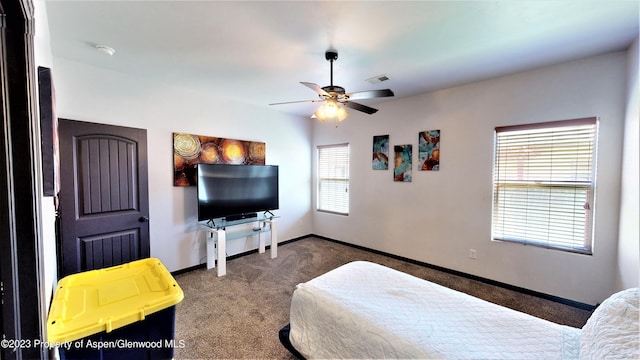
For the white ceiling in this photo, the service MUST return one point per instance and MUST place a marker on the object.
(258, 52)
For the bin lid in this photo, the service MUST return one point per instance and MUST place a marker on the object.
(106, 299)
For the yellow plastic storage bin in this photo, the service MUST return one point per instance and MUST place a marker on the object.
(125, 311)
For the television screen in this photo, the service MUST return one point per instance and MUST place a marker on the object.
(226, 190)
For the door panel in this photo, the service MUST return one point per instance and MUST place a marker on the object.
(103, 197)
(106, 174)
(22, 300)
(109, 249)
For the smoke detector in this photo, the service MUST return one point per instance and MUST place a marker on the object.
(105, 49)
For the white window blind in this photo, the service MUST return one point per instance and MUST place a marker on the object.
(333, 178)
(543, 185)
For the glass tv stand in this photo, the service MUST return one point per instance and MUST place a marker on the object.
(219, 231)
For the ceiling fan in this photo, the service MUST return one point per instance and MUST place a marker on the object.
(333, 96)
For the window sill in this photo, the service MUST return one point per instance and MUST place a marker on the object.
(332, 212)
(580, 251)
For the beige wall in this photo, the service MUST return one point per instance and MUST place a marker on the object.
(441, 215)
(628, 233)
(92, 94)
(46, 212)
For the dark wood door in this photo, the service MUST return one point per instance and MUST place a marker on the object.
(104, 209)
(21, 297)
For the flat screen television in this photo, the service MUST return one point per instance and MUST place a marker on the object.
(236, 191)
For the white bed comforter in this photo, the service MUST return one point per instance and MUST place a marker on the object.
(365, 310)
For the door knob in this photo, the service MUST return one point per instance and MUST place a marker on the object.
(143, 219)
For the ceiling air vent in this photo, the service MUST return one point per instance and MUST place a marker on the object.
(377, 79)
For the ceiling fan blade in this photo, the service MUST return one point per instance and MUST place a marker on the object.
(360, 95)
(316, 88)
(293, 102)
(360, 107)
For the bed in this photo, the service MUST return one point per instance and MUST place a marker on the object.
(366, 310)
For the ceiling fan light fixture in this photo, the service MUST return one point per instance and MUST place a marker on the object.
(331, 110)
(336, 98)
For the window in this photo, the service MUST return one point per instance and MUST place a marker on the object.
(543, 184)
(333, 179)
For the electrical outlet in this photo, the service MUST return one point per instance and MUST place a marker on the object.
(472, 254)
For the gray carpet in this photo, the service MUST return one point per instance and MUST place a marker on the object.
(238, 316)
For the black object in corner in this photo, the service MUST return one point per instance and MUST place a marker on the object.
(283, 334)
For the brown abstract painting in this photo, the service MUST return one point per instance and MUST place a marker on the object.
(402, 160)
(380, 152)
(190, 150)
(429, 150)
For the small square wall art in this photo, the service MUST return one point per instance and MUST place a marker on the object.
(429, 150)
(402, 160)
(380, 159)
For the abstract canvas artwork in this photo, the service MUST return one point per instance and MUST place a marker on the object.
(380, 159)
(190, 150)
(429, 150)
(402, 159)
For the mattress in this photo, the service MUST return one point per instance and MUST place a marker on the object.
(365, 310)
